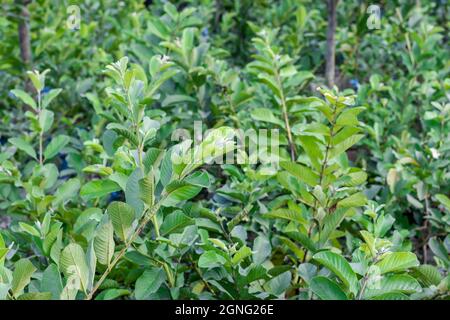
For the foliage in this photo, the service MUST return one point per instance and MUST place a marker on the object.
(115, 179)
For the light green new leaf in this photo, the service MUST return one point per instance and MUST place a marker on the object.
(29, 229)
(122, 216)
(339, 266)
(211, 259)
(397, 261)
(442, 198)
(326, 289)
(24, 146)
(23, 271)
(74, 266)
(349, 117)
(355, 200)
(241, 254)
(390, 284)
(428, 274)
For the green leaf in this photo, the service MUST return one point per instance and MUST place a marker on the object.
(261, 249)
(428, 274)
(241, 254)
(344, 145)
(391, 296)
(25, 97)
(146, 190)
(175, 221)
(174, 99)
(266, 115)
(211, 259)
(279, 284)
(348, 117)
(52, 94)
(442, 198)
(271, 83)
(112, 294)
(393, 284)
(301, 172)
(287, 214)
(397, 261)
(149, 282)
(24, 146)
(36, 296)
(51, 281)
(439, 250)
(178, 191)
(98, 188)
(187, 41)
(46, 120)
(355, 200)
(339, 266)
(29, 229)
(326, 289)
(23, 271)
(303, 239)
(55, 146)
(104, 243)
(66, 191)
(133, 192)
(122, 218)
(330, 223)
(74, 266)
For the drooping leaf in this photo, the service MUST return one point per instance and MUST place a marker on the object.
(21, 276)
(25, 97)
(326, 289)
(339, 266)
(122, 216)
(392, 284)
(149, 282)
(104, 243)
(74, 266)
(24, 146)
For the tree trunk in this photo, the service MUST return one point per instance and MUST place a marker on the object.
(24, 39)
(330, 51)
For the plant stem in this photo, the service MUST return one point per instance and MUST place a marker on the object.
(41, 133)
(285, 116)
(145, 220)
